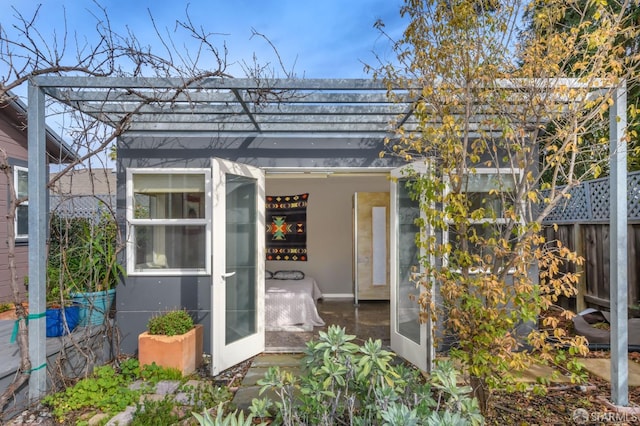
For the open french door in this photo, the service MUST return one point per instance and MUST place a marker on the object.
(410, 338)
(237, 295)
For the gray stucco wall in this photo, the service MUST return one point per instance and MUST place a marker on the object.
(139, 298)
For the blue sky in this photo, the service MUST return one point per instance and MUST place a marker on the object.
(319, 39)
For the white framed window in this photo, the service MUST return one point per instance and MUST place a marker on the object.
(21, 185)
(168, 213)
(491, 192)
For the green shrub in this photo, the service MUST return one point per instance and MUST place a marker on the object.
(236, 418)
(153, 413)
(153, 373)
(82, 256)
(107, 390)
(130, 369)
(171, 323)
(343, 383)
(205, 394)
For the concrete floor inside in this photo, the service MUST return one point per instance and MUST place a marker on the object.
(370, 319)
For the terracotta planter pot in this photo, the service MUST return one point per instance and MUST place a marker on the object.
(183, 352)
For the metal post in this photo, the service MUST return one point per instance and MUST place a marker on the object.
(37, 242)
(618, 247)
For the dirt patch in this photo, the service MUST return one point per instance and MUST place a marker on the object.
(11, 313)
(565, 405)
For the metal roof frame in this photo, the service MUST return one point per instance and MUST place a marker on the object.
(345, 108)
(271, 108)
(230, 107)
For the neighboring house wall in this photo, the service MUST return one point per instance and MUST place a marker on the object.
(94, 181)
(84, 193)
(13, 141)
(329, 220)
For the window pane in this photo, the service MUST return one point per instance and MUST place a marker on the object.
(478, 187)
(169, 196)
(22, 221)
(484, 231)
(169, 246)
(174, 205)
(491, 203)
(163, 183)
(483, 182)
(22, 183)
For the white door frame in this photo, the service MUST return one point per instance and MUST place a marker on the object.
(225, 355)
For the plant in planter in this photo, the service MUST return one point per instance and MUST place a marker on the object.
(172, 340)
(61, 320)
(62, 316)
(83, 260)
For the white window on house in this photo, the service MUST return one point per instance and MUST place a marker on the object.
(21, 184)
(491, 190)
(168, 215)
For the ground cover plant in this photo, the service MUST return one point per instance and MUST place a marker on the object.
(213, 396)
(110, 390)
(341, 382)
(344, 383)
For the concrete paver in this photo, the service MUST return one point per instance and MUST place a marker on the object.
(277, 359)
(601, 367)
(249, 389)
(532, 373)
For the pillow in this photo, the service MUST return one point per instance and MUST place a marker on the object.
(268, 275)
(288, 275)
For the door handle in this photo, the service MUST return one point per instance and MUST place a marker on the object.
(228, 274)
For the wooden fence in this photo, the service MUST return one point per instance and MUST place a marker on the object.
(591, 241)
(583, 226)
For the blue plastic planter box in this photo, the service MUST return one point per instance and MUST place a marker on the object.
(56, 317)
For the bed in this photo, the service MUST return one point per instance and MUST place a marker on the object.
(290, 304)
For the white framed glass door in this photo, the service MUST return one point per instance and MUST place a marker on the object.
(238, 232)
(410, 338)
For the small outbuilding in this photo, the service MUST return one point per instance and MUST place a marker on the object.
(196, 163)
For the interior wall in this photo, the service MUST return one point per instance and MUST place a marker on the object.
(329, 226)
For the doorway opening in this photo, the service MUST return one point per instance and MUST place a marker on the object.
(369, 319)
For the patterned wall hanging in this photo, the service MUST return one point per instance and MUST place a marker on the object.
(287, 227)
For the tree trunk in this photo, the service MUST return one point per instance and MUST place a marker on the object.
(479, 390)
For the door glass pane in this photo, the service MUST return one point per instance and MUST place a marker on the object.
(241, 216)
(407, 306)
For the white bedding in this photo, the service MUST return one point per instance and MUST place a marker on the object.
(290, 305)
